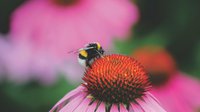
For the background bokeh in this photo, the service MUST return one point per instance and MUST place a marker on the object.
(173, 24)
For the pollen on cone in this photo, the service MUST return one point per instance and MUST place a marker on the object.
(116, 79)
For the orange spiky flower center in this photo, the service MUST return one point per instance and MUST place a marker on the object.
(116, 79)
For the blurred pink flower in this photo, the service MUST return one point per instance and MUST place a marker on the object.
(114, 83)
(19, 64)
(180, 94)
(54, 27)
(44, 31)
(176, 91)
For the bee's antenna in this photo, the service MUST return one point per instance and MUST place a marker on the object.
(73, 51)
(70, 51)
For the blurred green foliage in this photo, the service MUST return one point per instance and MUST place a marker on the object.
(6, 8)
(32, 97)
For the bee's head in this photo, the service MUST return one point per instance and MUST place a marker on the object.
(99, 48)
(94, 45)
(83, 53)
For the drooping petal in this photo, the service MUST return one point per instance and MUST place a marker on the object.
(94, 106)
(114, 108)
(66, 99)
(135, 107)
(101, 108)
(83, 106)
(73, 104)
(122, 108)
(149, 105)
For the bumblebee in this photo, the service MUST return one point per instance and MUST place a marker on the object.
(89, 53)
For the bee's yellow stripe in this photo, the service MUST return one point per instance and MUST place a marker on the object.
(98, 46)
(83, 53)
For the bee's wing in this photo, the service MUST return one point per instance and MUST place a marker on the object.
(78, 50)
(86, 48)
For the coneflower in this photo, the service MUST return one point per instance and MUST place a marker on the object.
(176, 91)
(114, 83)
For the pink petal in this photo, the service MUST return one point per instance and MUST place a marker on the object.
(152, 101)
(136, 108)
(122, 108)
(83, 106)
(92, 107)
(78, 90)
(101, 107)
(150, 105)
(179, 94)
(114, 108)
(189, 87)
(73, 104)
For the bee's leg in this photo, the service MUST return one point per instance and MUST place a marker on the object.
(88, 64)
(98, 56)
